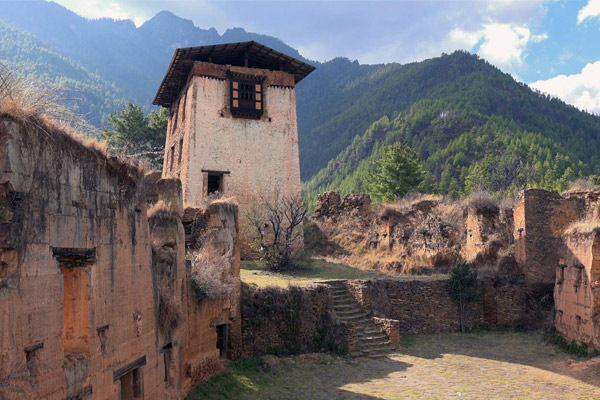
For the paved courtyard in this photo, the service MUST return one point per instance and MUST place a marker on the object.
(446, 366)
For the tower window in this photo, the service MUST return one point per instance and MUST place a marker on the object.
(215, 184)
(246, 98)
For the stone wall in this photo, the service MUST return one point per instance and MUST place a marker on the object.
(577, 289)
(489, 229)
(291, 321)
(424, 306)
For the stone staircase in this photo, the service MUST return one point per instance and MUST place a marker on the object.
(372, 342)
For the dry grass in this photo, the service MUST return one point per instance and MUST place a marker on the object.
(169, 316)
(42, 110)
(407, 202)
(212, 277)
(581, 185)
(164, 208)
(583, 226)
(482, 200)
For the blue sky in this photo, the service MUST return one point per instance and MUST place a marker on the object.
(553, 45)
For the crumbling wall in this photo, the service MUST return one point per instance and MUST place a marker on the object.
(290, 321)
(413, 238)
(489, 230)
(214, 229)
(577, 289)
(77, 309)
(540, 218)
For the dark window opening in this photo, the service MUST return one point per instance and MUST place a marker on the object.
(180, 150)
(561, 273)
(222, 337)
(246, 98)
(214, 184)
(167, 351)
(171, 157)
(131, 385)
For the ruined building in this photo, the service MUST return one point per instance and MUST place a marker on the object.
(232, 127)
(97, 300)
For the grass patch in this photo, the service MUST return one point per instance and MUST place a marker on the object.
(573, 348)
(242, 377)
(308, 272)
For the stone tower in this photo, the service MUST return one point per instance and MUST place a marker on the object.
(232, 127)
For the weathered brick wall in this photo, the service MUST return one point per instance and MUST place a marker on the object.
(74, 232)
(260, 156)
(577, 289)
(488, 230)
(290, 321)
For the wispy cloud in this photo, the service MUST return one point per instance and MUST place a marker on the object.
(502, 44)
(582, 89)
(591, 10)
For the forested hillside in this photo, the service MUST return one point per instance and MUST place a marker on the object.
(473, 126)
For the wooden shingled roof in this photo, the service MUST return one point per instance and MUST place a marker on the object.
(251, 54)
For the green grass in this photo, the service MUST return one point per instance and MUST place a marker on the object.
(310, 271)
(241, 377)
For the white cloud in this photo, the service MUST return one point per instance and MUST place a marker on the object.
(502, 44)
(103, 9)
(581, 90)
(591, 10)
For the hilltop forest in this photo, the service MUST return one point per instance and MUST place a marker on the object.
(471, 125)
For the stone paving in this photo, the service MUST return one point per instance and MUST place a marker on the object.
(444, 366)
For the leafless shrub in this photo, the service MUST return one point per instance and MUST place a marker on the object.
(211, 273)
(277, 227)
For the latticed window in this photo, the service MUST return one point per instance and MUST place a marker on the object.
(246, 98)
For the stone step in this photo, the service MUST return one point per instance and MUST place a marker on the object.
(353, 317)
(343, 306)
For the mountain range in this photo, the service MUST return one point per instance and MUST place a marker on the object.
(472, 124)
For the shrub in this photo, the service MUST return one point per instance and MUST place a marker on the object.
(572, 347)
(277, 226)
(211, 275)
(464, 288)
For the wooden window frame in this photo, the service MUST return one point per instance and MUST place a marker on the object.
(244, 93)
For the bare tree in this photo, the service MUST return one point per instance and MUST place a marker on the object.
(277, 224)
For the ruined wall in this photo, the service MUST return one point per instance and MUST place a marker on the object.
(424, 306)
(257, 156)
(96, 298)
(77, 305)
(577, 289)
(290, 321)
(214, 229)
(540, 218)
(489, 229)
